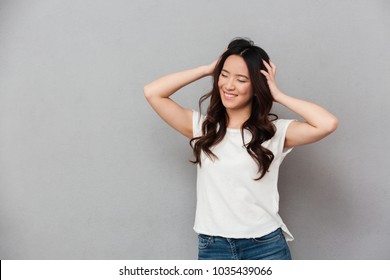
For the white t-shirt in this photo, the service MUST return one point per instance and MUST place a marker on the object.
(230, 203)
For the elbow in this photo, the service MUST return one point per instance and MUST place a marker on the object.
(147, 92)
(332, 125)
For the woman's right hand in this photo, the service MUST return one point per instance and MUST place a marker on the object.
(211, 67)
(159, 91)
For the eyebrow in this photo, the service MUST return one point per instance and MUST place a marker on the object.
(238, 75)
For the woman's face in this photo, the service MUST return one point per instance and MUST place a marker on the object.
(234, 84)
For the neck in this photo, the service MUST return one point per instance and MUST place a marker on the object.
(237, 117)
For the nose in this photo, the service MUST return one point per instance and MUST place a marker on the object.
(229, 84)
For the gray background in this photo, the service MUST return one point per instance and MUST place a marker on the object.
(88, 170)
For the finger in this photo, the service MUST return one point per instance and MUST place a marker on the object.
(266, 65)
(270, 67)
(265, 73)
(273, 66)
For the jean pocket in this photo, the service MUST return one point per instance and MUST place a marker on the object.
(203, 241)
(272, 237)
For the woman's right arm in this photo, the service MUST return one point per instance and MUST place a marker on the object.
(158, 92)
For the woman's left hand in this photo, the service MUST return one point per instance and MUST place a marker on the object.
(318, 121)
(270, 76)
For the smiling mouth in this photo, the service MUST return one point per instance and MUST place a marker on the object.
(229, 95)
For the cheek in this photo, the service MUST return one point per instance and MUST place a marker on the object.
(219, 83)
(246, 90)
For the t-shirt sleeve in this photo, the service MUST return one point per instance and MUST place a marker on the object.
(197, 120)
(280, 135)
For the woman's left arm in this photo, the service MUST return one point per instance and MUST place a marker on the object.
(318, 122)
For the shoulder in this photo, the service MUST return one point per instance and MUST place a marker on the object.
(281, 125)
(197, 121)
(279, 138)
(281, 128)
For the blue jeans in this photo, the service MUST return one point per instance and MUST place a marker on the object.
(272, 246)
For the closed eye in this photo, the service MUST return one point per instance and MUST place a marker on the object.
(241, 78)
(224, 75)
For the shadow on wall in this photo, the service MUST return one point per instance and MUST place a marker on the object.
(316, 206)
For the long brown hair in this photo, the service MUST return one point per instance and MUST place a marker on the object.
(259, 123)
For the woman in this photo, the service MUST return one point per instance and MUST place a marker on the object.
(238, 147)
